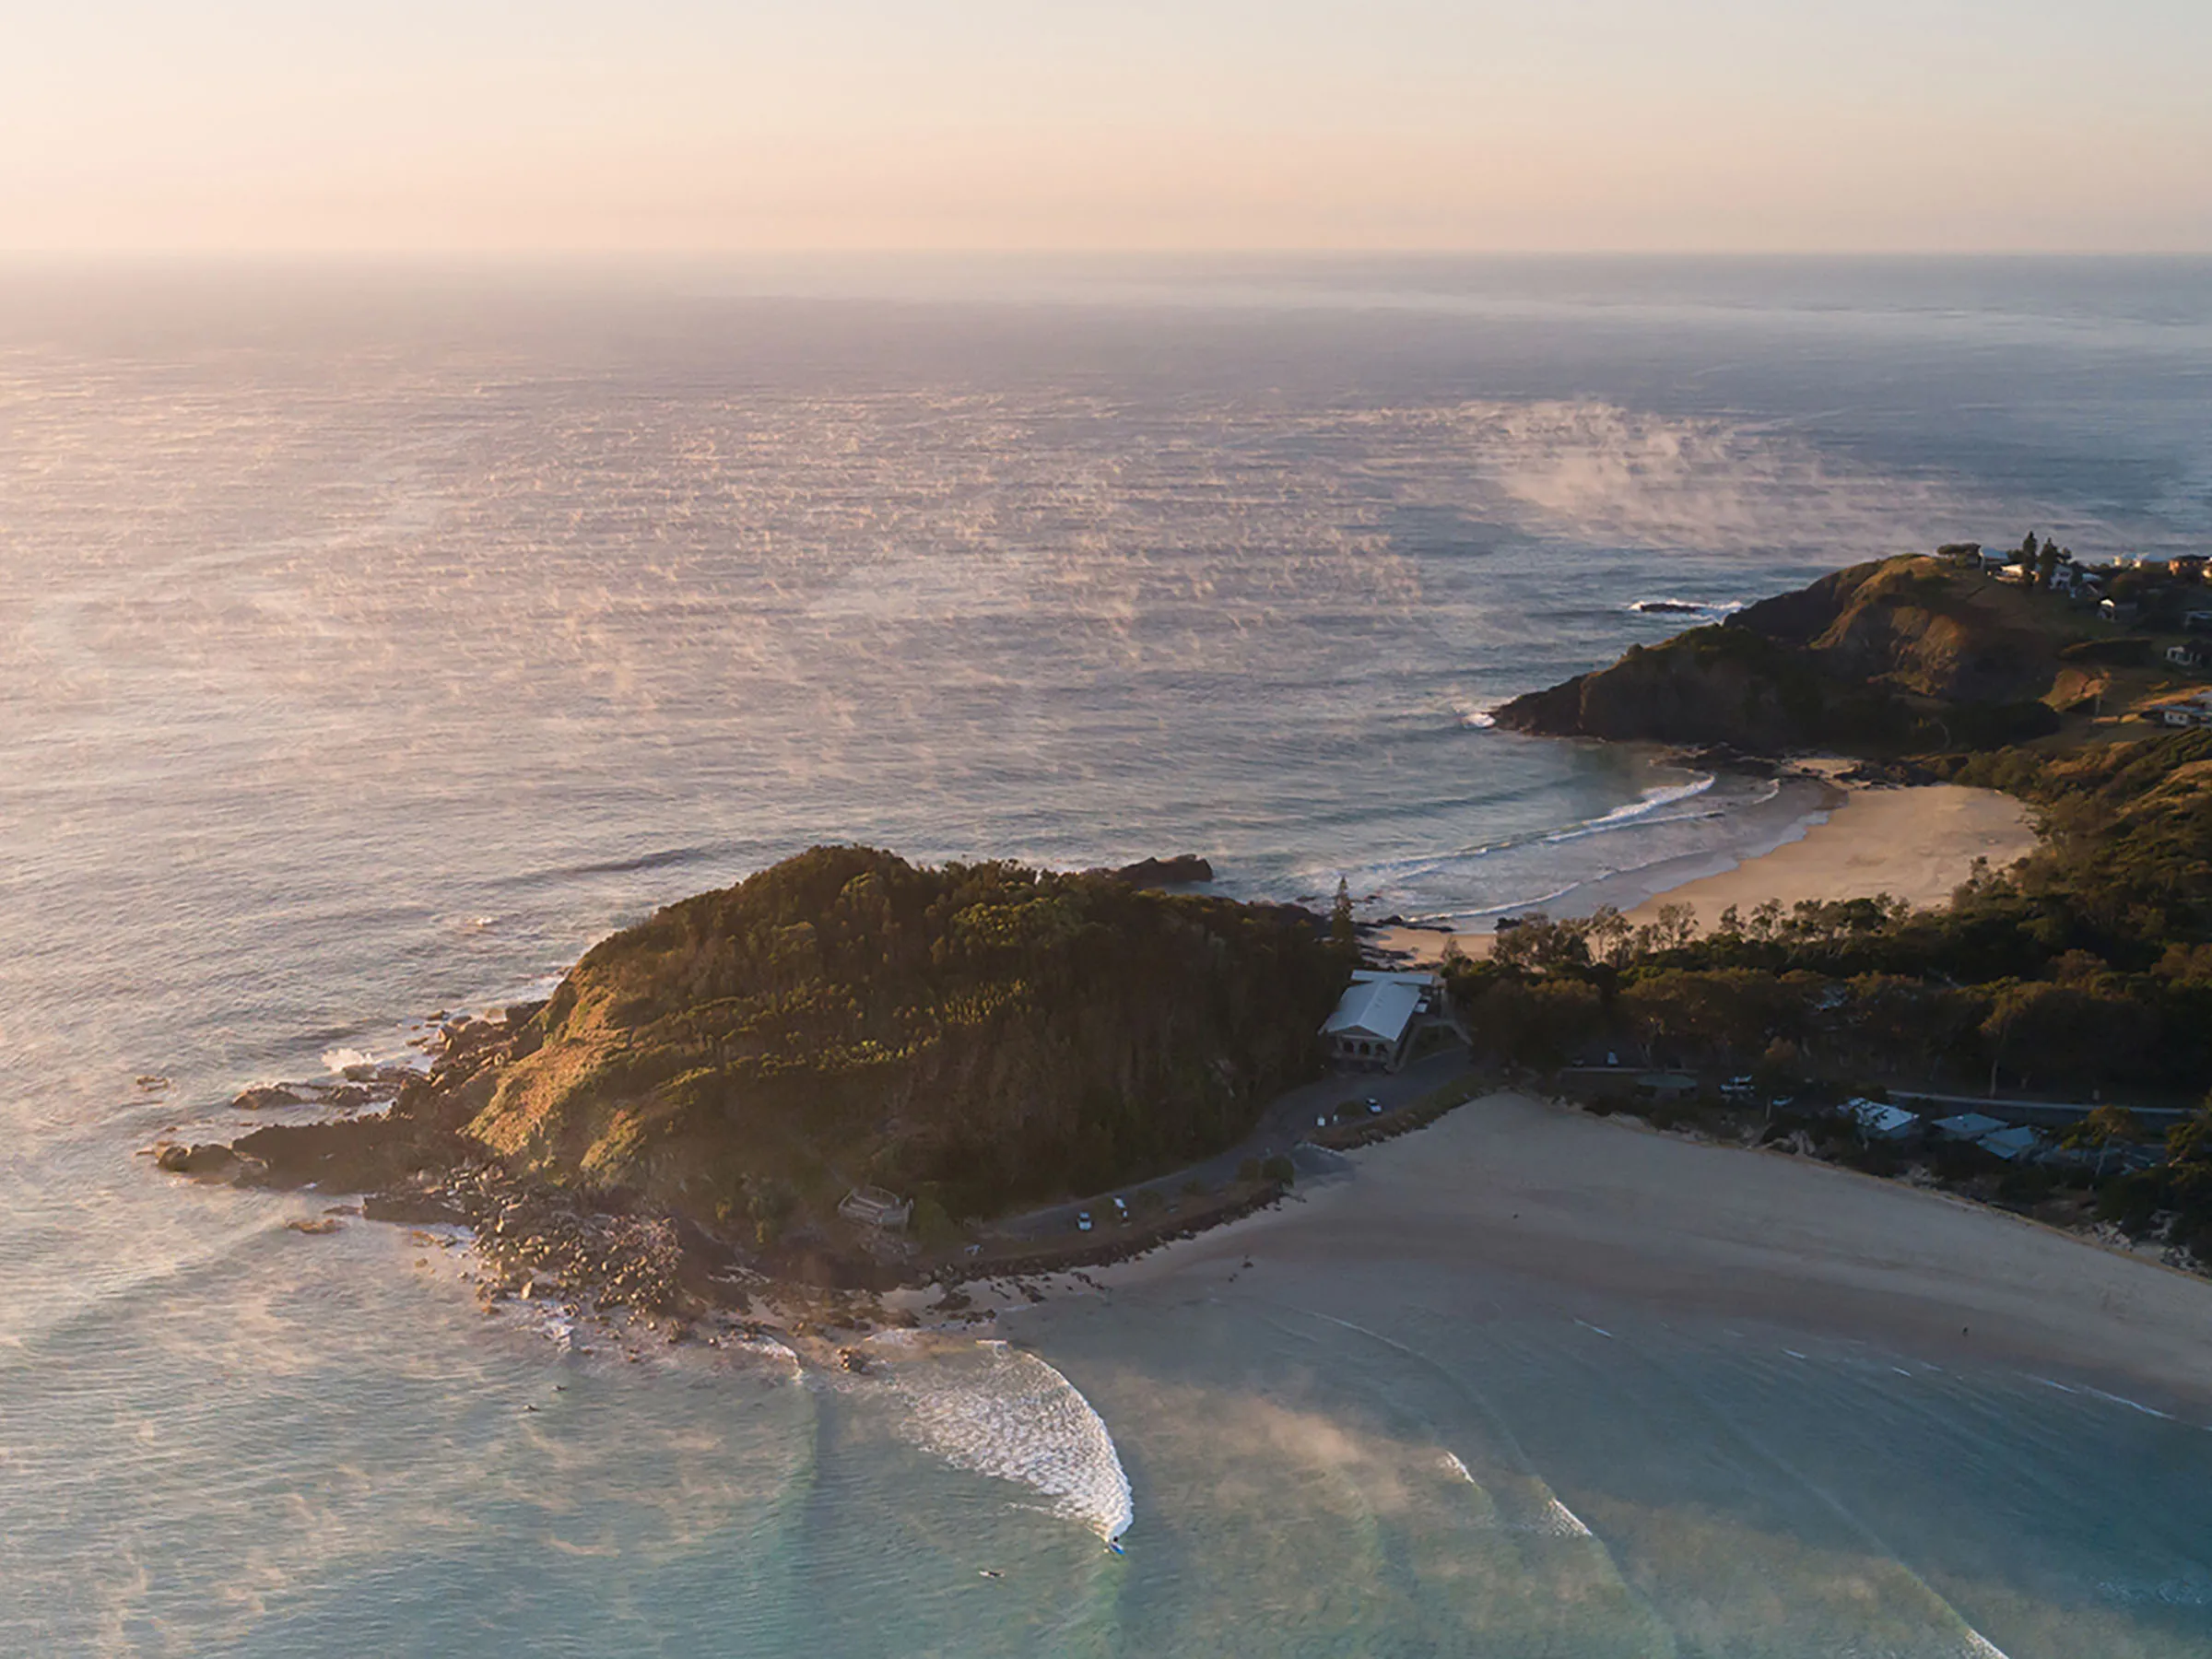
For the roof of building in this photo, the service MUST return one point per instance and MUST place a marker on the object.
(2010, 1143)
(875, 1207)
(1968, 1125)
(1875, 1118)
(1377, 1006)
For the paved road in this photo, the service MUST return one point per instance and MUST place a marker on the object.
(1288, 1120)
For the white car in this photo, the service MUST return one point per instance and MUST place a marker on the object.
(1083, 1221)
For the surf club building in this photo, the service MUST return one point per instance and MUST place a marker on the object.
(1376, 1018)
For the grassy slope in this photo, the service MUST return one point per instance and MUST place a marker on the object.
(986, 1033)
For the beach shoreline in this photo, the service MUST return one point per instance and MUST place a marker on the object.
(1544, 1207)
(1915, 843)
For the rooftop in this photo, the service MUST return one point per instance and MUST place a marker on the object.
(1378, 1004)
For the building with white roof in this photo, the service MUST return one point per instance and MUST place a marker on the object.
(1880, 1122)
(1375, 1016)
(871, 1207)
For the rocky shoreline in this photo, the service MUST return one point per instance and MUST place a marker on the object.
(597, 1253)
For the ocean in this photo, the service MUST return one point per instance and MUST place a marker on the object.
(374, 639)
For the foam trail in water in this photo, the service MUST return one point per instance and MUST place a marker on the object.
(1651, 801)
(1008, 1413)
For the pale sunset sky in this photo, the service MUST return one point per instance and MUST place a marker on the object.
(512, 125)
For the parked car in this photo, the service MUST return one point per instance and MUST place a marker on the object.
(1083, 1221)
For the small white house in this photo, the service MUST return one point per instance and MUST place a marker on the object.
(1374, 1016)
(871, 1207)
(2188, 712)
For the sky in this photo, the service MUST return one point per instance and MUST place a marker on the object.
(677, 125)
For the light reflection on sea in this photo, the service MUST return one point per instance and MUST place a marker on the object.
(362, 657)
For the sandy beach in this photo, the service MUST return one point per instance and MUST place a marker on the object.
(1543, 1206)
(1916, 844)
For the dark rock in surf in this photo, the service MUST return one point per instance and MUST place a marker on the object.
(179, 1160)
(1183, 870)
(265, 1095)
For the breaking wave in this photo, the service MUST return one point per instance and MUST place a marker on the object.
(1001, 1412)
(1653, 800)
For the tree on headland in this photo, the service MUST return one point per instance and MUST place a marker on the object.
(1343, 930)
(2046, 563)
(2104, 1128)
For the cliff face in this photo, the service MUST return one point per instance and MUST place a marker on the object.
(987, 1033)
(1875, 657)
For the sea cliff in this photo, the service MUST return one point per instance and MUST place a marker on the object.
(702, 1088)
(1893, 655)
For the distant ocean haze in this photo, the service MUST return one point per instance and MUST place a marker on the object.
(369, 644)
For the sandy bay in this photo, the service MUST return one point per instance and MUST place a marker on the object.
(1543, 1207)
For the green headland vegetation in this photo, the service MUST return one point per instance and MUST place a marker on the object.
(2084, 973)
(980, 1035)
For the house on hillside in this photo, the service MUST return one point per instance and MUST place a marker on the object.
(2188, 655)
(871, 1207)
(2188, 712)
(1877, 1121)
(2119, 612)
(1374, 1018)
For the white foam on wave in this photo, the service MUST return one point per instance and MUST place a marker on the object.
(1680, 607)
(1451, 1466)
(1559, 1521)
(1653, 800)
(2132, 1405)
(338, 1059)
(1007, 1414)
